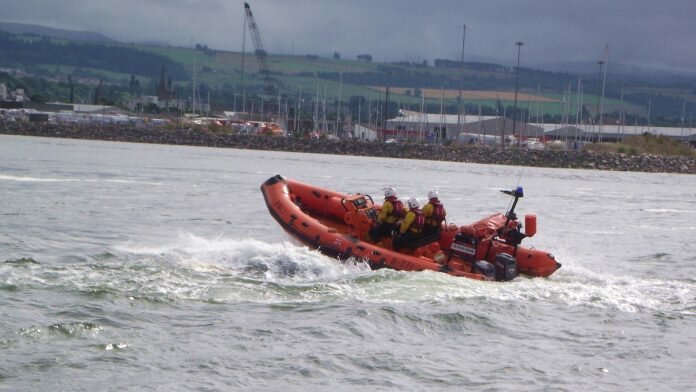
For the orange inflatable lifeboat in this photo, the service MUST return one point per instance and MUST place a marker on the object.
(337, 224)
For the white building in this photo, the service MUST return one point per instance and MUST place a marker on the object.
(362, 132)
(610, 133)
(431, 127)
(3, 92)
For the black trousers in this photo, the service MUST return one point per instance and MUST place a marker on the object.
(381, 230)
(403, 240)
(428, 229)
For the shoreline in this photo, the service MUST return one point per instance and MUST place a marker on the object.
(453, 153)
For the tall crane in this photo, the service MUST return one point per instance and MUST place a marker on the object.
(258, 46)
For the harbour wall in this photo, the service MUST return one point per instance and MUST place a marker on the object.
(454, 153)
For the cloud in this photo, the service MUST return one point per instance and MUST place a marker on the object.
(642, 32)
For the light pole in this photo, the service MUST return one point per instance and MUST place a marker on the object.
(517, 79)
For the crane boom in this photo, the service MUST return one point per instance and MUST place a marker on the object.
(258, 44)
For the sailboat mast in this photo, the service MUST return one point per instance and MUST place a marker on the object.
(193, 93)
(442, 112)
(605, 60)
(316, 108)
(461, 83)
(243, 61)
(359, 110)
(622, 114)
(338, 112)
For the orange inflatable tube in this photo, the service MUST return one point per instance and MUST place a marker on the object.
(336, 224)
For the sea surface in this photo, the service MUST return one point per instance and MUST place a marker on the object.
(133, 267)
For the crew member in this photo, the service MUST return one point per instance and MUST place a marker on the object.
(412, 227)
(392, 210)
(434, 213)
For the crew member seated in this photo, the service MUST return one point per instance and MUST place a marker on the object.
(392, 210)
(411, 229)
(434, 213)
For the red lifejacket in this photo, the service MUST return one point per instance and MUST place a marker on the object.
(438, 211)
(418, 222)
(398, 210)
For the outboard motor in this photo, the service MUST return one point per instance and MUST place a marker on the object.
(485, 268)
(505, 267)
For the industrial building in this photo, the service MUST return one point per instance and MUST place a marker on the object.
(434, 128)
(446, 128)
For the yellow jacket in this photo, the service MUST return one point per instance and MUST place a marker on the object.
(408, 223)
(386, 214)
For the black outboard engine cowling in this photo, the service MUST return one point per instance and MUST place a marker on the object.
(505, 267)
(485, 268)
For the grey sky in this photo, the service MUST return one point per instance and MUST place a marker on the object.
(642, 32)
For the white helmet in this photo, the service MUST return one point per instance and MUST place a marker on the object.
(413, 203)
(433, 194)
(389, 192)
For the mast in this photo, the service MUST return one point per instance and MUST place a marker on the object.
(442, 112)
(359, 109)
(422, 114)
(194, 87)
(386, 112)
(622, 114)
(323, 109)
(316, 108)
(338, 112)
(279, 105)
(683, 118)
(578, 115)
(243, 60)
(461, 84)
(578, 112)
(604, 83)
(297, 112)
(517, 80)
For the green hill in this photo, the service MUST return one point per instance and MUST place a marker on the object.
(219, 75)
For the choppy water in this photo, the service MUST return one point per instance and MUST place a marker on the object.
(144, 267)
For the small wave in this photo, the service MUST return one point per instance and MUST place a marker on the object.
(33, 179)
(668, 211)
(73, 328)
(4, 177)
(114, 346)
(23, 260)
(70, 329)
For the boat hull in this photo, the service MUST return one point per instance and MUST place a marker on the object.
(328, 221)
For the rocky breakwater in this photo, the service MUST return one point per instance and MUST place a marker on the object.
(454, 153)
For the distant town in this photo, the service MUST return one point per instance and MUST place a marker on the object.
(311, 97)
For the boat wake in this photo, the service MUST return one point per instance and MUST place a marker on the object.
(249, 258)
(232, 270)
